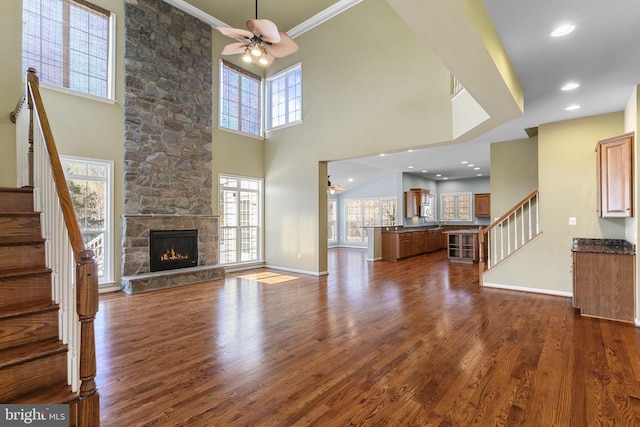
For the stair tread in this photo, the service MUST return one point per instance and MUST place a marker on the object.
(24, 310)
(24, 353)
(16, 190)
(58, 393)
(21, 272)
(19, 240)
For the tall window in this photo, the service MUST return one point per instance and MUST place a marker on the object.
(240, 219)
(455, 206)
(68, 42)
(284, 97)
(240, 100)
(332, 221)
(361, 213)
(90, 183)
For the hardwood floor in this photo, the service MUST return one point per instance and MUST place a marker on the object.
(412, 343)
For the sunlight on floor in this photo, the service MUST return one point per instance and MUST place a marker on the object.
(268, 278)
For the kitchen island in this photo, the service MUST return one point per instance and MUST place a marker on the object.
(462, 245)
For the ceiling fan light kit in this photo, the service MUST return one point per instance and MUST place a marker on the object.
(261, 44)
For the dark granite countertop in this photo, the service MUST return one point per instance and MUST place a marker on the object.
(603, 246)
(400, 229)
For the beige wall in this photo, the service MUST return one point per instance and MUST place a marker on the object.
(567, 184)
(359, 98)
(514, 173)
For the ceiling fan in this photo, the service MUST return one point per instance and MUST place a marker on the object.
(261, 44)
(332, 188)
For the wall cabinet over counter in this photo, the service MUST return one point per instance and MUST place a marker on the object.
(482, 205)
(615, 176)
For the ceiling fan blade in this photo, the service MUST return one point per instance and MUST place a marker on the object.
(265, 28)
(234, 48)
(286, 46)
(236, 33)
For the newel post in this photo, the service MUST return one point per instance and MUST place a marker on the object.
(87, 307)
(32, 79)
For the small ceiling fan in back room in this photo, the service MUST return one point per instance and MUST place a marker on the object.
(261, 44)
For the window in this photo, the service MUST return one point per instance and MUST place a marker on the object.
(240, 100)
(455, 206)
(90, 183)
(332, 221)
(361, 213)
(68, 42)
(240, 219)
(284, 97)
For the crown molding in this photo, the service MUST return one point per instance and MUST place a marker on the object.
(330, 12)
(195, 12)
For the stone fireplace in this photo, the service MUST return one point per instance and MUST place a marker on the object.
(167, 144)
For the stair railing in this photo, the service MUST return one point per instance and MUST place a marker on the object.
(74, 273)
(511, 231)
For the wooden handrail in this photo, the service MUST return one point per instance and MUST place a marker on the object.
(69, 214)
(510, 211)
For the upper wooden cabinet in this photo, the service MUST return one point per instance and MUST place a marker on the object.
(412, 201)
(482, 205)
(615, 176)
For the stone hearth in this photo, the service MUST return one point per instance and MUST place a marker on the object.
(137, 276)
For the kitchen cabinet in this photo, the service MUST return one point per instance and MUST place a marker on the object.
(462, 246)
(482, 205)
(413, 199)
(604, 278)
(403, 244)
(615, 173)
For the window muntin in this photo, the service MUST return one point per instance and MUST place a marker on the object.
(240, 219)
(361, 213)
(240, 100)
(69, 43)
(455, 206)
(90, 183)
(284, 98)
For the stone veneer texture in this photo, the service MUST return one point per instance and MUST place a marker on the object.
(168, 100)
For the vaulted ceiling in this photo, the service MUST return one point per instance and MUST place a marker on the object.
(602, 54)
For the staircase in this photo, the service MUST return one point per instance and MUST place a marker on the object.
(33, 360)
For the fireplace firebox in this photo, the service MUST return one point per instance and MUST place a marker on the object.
(171, 249)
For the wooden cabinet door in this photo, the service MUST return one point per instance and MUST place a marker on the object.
(615, 172)
(482, 205)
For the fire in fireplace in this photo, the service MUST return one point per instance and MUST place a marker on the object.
(171, 249)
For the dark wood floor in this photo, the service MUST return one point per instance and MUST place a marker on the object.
(413, 343)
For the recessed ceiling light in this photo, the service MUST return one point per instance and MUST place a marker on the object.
(476, 169)
(424, 171)
(572, 107)
(350, 180)
(470, 165)
(445, 178)
(563, 30)
(409, 167)
(382, 154)
(464, 162)
(438, 175)
(478, 174)
(571, 86)
(409, 151)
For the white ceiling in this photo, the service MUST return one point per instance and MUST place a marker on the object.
(602, 54)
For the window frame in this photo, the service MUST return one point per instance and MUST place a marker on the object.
(364, 219)
(456, 215)
(221, 100)
(108, 277)
(108, 77)
(268, 98)
(332, 221)
(239, 228)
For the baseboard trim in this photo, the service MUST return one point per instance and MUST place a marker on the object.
(295, 270)
(529, 290)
